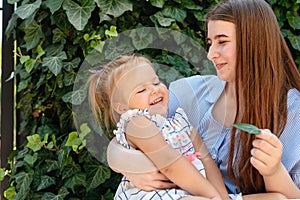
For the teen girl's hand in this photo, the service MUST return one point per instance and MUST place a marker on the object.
(143, 175)
(150, 181)
(266, 158)
(266, 153)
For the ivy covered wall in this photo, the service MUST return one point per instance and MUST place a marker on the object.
(54, 38)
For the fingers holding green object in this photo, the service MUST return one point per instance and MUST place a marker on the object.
(266, 152)
(270, 138)
(267, 149)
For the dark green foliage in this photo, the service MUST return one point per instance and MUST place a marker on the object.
(54, 38)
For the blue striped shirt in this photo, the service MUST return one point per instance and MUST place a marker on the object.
(197, 96)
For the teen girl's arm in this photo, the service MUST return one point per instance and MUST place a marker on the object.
(142, 134)
(146, 179)
(266, 158)
(212, 171)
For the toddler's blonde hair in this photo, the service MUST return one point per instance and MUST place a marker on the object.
(103, 82)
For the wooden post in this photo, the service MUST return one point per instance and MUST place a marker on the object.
(7, 94)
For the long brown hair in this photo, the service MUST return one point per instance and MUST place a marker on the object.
(265, 72)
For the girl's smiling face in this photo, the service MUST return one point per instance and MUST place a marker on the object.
(141, 89)
(222, 50)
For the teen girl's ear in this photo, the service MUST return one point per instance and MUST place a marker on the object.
(120, 108)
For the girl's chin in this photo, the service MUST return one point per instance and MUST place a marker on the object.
(158, 109)
(224, 77)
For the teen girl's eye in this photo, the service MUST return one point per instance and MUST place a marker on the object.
(222, 42)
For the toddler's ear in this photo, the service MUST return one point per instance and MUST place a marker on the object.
(120, 108)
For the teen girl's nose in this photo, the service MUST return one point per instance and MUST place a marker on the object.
(212, 52)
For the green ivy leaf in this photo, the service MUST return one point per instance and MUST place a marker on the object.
(295, 40)
(157, 3)
(62, 158)
(26, 10)
(113, 7)
(62, 193)
(86, 37)
(247, 128)
(51, 165)
(170, 75)
(112, 32)
(58, 35)
(31, 159)
(190, 5)
(84, 130)
(23, 84)
(11, 24)
(294, 21)
(98, 174)
(69, 78)
(34, 142)
(60, 80)
(23, 181)
(29, 64)
(33, 34)
(78, 179)
(104, 17)
(99, 46)
(54, 49)
(70, 170)
(75, 97)
(45, 182)
(46, 136)
(73, 139)
(40, 52)
(54, 63)
(111, 50)
(23, 59)
(175, 13)
(69, 66)
(77, 141)
(141, 38)
(3, 173)
(163, 21)
(79, 15)
(54, 5)
(21, 154)
(51, 196)
(10, 192)
(199, 16)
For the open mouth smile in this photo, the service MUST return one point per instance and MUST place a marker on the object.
(156, 101)
(220, 66)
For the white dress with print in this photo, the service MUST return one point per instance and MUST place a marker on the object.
(176, 131)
